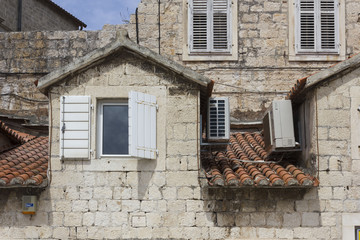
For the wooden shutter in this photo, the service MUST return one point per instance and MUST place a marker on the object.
(221, 13)
(199, 25)
(209, 24)
(142, 125)
(306, 34)
(328, 26)
(317, 26)
(75, 127)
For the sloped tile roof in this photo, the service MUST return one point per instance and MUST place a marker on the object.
(237, 166)
(26, 163)
(14, 134)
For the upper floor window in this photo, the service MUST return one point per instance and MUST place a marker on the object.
(211, 27)
(316, 30)
(317, 27)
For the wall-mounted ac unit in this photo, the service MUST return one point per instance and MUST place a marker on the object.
(279, 127)
(218, 120)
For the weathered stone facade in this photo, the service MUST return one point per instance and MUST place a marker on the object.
(27, 56)
(35, 16)
(263, 70)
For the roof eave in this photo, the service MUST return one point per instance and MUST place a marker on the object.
(122, 42)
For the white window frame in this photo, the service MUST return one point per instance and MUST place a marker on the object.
(210, 54)
(99, 135)
(296, 54)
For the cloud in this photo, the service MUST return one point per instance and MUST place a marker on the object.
(96, 13)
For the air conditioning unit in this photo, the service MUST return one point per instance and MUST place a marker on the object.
(218, 121)
(279, 127)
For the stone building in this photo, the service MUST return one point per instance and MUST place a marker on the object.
(187, 191)
(36, 15)
(264, 53)
(171, 193)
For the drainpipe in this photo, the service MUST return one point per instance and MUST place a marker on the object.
(159, 23)
(137, 25)
(19, 15)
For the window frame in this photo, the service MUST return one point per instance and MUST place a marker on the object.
(312, 55)
(230, 54)
(99, 126)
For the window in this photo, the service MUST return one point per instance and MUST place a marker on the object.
(211, 27)
(113, 127)
(317, 30)
(124, 127)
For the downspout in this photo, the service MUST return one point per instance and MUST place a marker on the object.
(137, 25)
(19, 15)
(159, 23)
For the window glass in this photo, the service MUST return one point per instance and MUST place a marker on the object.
(115, 139)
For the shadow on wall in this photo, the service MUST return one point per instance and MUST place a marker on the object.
(278, 208)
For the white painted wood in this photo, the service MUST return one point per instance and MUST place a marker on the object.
(209, 24)
(74, 117)
(142, 125)
(75, 127)
(317, 26)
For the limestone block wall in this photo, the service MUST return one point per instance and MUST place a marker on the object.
(36, 16)
(263, 70)
(123, 198)
(27, 56)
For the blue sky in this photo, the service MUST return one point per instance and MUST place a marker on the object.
(96, 13)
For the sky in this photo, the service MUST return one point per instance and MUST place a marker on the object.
(96, 13)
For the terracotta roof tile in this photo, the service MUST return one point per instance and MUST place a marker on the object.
(25, 164)
(237, 166)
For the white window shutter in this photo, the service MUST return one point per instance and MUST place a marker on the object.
(209, 25)
(306, 25)
(75, 127)
(317, 26)
(221, 33)
(142, 125)
(328, 25)
(199, 25)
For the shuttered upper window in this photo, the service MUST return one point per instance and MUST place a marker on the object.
(209, 26)
(317, 28)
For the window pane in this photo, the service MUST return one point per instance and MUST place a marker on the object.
(115, 129)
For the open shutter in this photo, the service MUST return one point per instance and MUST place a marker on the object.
(199, 25)
(306, 26)
(328, 28)
(221, 33)
(75, 127)
(142, 125)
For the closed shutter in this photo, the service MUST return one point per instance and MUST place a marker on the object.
(75, 127)
(142, 125)
(306, 26)
(317, 26)
(328, 32)
(209, 24)
(221, 36)
(200, 25)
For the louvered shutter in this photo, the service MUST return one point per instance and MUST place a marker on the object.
(328, 25)
(306, 33)
(209, 24)
(75, 127)
(200, 25)
(221, 13)
(316, 23)
(142, 125)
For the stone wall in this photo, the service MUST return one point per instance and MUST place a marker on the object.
(263, 71)
(36, 16)
(123, 198)
(27, 56)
